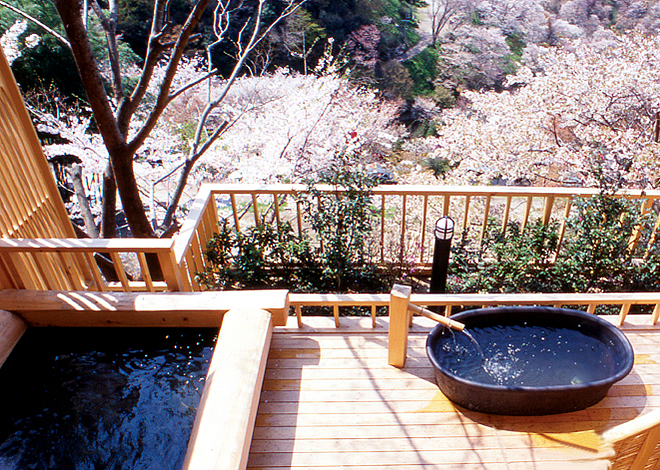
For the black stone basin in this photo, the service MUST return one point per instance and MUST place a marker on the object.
(528, 360)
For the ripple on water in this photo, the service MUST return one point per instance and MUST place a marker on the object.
(105, 398)
(520, 355)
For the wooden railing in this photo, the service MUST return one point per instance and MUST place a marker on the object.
(453, 302)
(404, 232)
(406, 214)
(69, 264)
(192, 240)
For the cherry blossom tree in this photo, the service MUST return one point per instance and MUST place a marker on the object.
(296, 125)
(441, 13)
(116, 114)
(568, 111)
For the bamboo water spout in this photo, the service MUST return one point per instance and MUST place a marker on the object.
(454, 325)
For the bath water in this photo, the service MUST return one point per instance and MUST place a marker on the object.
(111, 398)
(521, 355)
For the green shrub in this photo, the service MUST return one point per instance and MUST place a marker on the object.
(260, 257)
(513, 261)
(342, 219)
(275, 257)
(423, 70)
(395, 78)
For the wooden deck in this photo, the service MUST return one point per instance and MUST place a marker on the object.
(330, 401)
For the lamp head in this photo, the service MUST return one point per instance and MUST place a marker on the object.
(444, 228)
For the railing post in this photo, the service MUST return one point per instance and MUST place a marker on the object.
(625, 308)
(399, 321)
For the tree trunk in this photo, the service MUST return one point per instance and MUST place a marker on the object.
(178, 191)
(109, 205)
(136, 215)
(83, 202)
(121, 156)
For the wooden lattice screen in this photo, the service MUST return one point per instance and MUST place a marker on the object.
(30, 204)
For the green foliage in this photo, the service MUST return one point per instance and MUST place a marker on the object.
(186, 132)
(511, 62)
(513, 261)
(426, 128)
(260, 257)
(476, 19)
(395, 78)
(516, 44)
(444, 97)
(601, 255)
(342, 220)
(423, 70)
(49, 64)
(302, 32)
(438, 166)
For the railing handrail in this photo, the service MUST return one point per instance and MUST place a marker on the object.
(430, 190)
(86, 245)
(565, 298)
(591, 300)
(187, 231)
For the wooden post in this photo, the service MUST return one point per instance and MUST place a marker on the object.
(625, 308)
(547, 209)
(656, 314)
(399, 321)
(12, 328)
(637, 231)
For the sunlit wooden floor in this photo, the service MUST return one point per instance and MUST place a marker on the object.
(331, 401)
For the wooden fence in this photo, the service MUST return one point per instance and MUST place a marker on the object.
(406, 214)
(70, 264)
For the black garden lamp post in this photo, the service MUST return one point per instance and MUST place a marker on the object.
(444, 232)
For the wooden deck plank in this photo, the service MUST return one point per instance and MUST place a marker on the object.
(330, 400)
(303, 396)
(491, 466)
(646, 354)
(424, 459)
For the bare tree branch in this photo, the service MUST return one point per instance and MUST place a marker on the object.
(154, 49)
(37, 22)
(255, 39)
(110, 28)
(190, 85)
(164, 91)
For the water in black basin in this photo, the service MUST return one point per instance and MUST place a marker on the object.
(101, 398)
(519, 355)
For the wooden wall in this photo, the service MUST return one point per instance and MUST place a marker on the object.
(30, 204)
